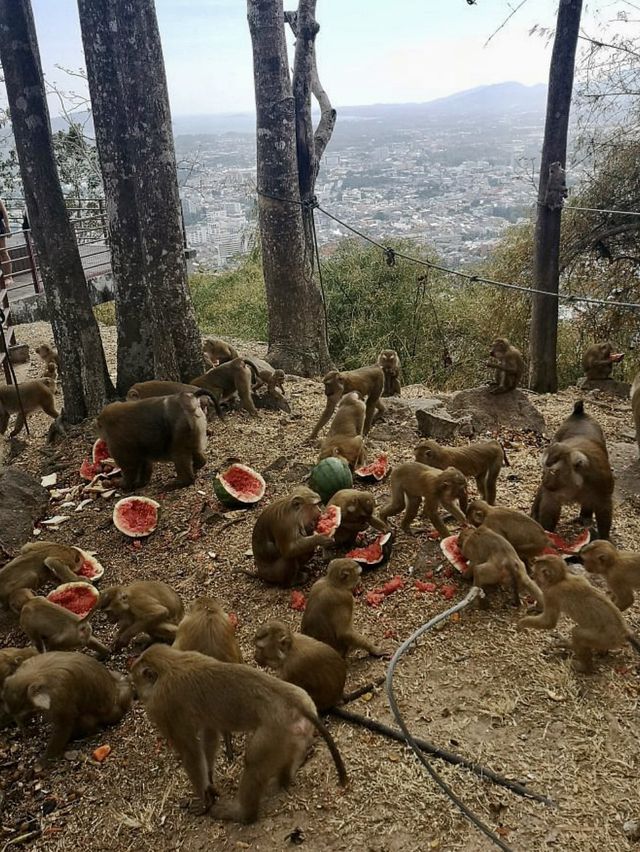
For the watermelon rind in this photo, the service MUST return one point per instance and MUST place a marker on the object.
(367, 474)
(328, 476)
(384, 540)
(230, 496)
(336, 511)
(63, 588)
(459, 563)
(119, 521)
(100, 451)
(97, 567)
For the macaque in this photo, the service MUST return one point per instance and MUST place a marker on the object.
(283, 539)
(146, 390)
(507, 362)
(328, 616)
(227, 380)
(345, 433)
(10, 660)
(576, 469)
(390, 362)
(598, 361)
(37, 563)
(493, 561)
(49, 355)
(50, 627)
(620, 568)
(482, 460)
(412, 481)
(367, 381)
(299, 659)
(357, 514)
(599, 624)
(524, 534)
(635, 406)
(51, 372)
(145, 606)
(35, 394)
(218, 351)
(167, 428)
(264, 374)
(75, 693)
(191, 699)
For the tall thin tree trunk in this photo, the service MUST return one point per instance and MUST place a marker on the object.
(137, 157)
(297, 331)
(85, 379)
(544, 319)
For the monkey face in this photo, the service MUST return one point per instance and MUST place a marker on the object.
(499, 347)
(452, 485)
(272, 643)
(333, 384)
(345, 573)
(426, 452)
(598, 556)
(548, 570)
(477, 512)
(304, 502)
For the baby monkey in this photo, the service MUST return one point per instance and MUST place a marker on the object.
(620, 568)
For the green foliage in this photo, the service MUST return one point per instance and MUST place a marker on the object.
(106, 313)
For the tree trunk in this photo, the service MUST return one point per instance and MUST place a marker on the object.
(85, 379)
(137, 157)
(297, 329)
(551, 191)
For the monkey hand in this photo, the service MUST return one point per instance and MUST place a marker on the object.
(324, 540)
(523, 624)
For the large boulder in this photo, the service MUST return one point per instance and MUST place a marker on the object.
(22, 502)
(489, 411)
(608, 386)
(432, 417)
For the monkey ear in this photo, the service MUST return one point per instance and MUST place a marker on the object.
(148, 674)
(579, 459)
(38, 696)
(297, 502)
(544, 457)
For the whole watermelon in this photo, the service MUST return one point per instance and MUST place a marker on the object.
(330, 475)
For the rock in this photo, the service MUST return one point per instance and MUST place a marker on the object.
(626, 468)
(609, 386)
(22, 502)
(631, 829)
(489, 411)
(440, 425)
(19, 353)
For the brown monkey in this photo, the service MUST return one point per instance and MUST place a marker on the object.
(599, 624)
(299, 659)
(10, 660)
(191, 699)
(367, 381)
(32, 567)
(635, 406)
(524, 534)
(412, 481)
(49, 355)
(357, 510)
(35, 394)
(598, 361)
(389, 361)
(328, 616)
(76, 694)
(507, 362)
(53, 628)
(264, 374)
(493, 561)
(283, 538)
(146, 390)
(227, 380)
(145, 606)
(167, 428)
(620, 568)
(576, 469)
(345, 433)
(482, 460)
(218, 351)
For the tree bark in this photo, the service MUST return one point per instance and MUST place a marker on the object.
(85, 380)
(137, 157)
(544, 317)
(297, 329)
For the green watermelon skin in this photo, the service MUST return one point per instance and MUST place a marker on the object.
(328, 476)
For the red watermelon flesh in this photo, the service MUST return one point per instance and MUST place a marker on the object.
(451, 550)
(373, 554)
(243, 482)
(91, 569)
(136, 516)
(377, 470)
(79, 598)
(424, 587)
(563, 546)
(329, 520)
(100, 451)
(88, 470)
(297, 601)
(374, 598)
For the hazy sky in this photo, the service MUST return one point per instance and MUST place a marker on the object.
(368, 50)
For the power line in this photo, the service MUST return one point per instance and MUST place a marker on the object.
(602, 210)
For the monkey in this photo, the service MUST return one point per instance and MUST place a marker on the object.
(328, 615)
(38, 563)
(299, 659)
(218, 351)
(389, 361)
(344, 438)
(598, 361)
(576, 469)
(620, 568)
(191, 698)
(10, 660)
(227, 380)
(524, 534)
(49, 355)
(367, 381)
(76, 694)
(493, 561)
(35, 394)
(508, 364)
(264, 374)
(635, 407)
(146, 390)
(412, 481)
(482, 460)
(357, 509)
(599, 623)
(167, 428)
(50, 627)
(283, 538)
(144, 606)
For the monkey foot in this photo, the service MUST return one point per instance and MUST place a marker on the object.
(228, 809)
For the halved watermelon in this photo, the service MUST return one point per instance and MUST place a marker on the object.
(100, 452)
(375, 554)
(136, 517)
(328, 476)
(79, 598)
(375, 471)
(88, 470)
(451, 550)
(616, 357)
(329, 520)
(90, 569)
(569, 547)
(239, 486)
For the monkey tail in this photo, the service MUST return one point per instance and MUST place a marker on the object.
(634, 642)
(505, 458)
(333, 748)
(578, 408)
(216, 404)
(254, 371)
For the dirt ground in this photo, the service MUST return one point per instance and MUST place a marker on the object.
(475, 687)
